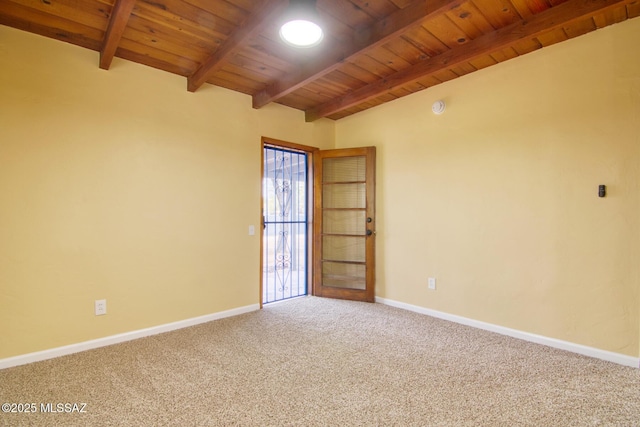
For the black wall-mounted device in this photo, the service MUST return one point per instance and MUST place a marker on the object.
(602, 190)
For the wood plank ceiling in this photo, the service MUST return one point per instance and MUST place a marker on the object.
(374, 51)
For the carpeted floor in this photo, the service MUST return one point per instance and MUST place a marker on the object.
(322, 362)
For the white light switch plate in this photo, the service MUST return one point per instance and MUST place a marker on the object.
(432, 283)
(252, 230)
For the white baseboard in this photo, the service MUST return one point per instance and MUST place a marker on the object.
(115, 339)
(609, 356)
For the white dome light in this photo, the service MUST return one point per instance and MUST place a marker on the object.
(301, 33)
(301, 24)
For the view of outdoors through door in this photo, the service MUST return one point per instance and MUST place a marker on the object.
(285, 223)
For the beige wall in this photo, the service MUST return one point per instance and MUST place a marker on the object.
(122, 185)
(497, 198)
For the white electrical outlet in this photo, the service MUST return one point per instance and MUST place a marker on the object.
(101, 307)
(432, 283)
(252, 230)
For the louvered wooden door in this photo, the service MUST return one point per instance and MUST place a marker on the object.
(344, 251)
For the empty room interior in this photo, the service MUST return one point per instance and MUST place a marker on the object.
(505, 175)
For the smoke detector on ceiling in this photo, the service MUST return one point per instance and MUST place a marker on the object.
(438, 107)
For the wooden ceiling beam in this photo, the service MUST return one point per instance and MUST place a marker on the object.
(548, 20)
(252, 26)
(362, 41)
(117, 23)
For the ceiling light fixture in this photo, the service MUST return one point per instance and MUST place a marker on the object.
(300, 27)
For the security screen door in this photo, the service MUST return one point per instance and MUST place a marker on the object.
(344, 224)
(285, 224)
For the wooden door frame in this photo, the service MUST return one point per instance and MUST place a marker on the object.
(272, 142)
